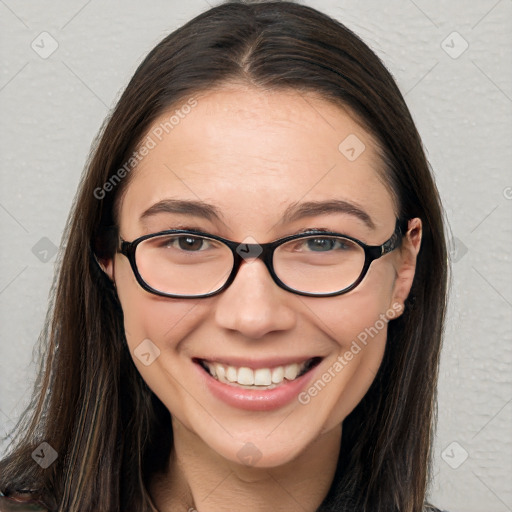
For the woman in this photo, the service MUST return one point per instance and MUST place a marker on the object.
(250, 302)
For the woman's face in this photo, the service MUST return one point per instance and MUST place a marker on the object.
(252, 155)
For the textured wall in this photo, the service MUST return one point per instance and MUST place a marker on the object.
(452, 60)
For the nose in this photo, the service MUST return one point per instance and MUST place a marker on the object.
(253, 304)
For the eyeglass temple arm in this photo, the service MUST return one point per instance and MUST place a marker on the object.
(394, 241)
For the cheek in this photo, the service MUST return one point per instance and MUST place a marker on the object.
(349, 316)
(155, 326)
(162, 320)
(357, 323)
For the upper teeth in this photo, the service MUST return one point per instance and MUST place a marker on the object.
(259, 377)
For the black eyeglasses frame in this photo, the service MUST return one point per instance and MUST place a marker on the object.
(265, 253)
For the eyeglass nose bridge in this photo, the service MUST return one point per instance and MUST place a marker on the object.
(244, 252)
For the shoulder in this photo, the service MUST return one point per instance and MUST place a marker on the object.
(19, 504)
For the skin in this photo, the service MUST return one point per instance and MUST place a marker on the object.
(251, 153)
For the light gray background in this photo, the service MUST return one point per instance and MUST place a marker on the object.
(51, 108)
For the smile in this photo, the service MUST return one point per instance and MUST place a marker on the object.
(257, 378)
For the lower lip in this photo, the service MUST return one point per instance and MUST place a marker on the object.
(254, 399)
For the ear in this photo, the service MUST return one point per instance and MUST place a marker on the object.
(107, 265)
(406, 263)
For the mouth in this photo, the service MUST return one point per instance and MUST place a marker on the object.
(264, 378)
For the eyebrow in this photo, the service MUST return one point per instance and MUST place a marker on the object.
(294, 212)
(195, 208)
(297, 211)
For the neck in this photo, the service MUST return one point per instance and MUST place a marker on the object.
(200, 480)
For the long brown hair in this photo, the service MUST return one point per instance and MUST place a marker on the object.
(110, 432)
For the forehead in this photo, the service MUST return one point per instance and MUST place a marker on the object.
(253, 152)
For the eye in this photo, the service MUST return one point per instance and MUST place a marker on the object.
(191, 243)
(321, 244)
(326, 244)
(187, 243)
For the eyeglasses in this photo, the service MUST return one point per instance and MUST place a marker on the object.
(192, 264)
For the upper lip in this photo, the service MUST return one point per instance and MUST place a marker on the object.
(269, 362)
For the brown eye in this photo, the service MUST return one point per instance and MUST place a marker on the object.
(189, 243)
